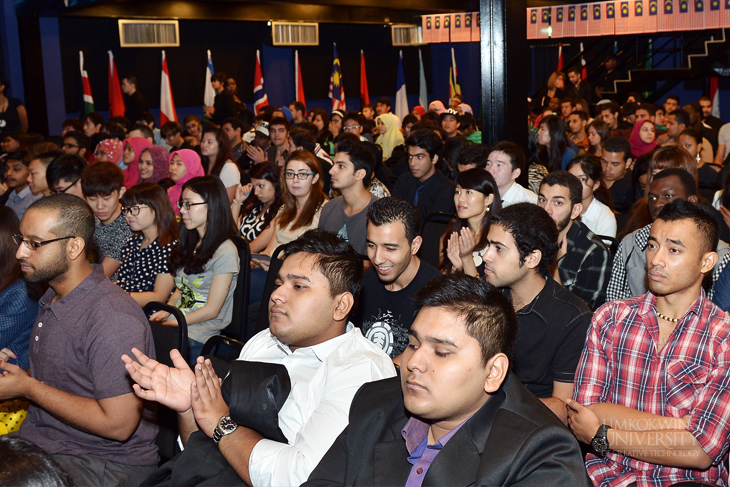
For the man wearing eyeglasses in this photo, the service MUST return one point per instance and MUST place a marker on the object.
(63, 175)
(75, 143)
(83, 410)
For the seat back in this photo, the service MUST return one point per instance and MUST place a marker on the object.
(433, 228)
(262, 322)
(238, 327)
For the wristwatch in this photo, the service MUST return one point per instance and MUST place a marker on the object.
(600, 441)
(226, 426)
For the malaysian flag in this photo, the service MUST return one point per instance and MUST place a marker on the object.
(581, 23)
(569, 27)
(608, 27)
(337, 91)
(259, 95)
(532, 23)
(558, 22)
(460, 32)
(474, 21)
(544, 26)
(427, 28)
(725, 13)
(665, 22)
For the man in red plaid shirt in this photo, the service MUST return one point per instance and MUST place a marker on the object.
(652, 389)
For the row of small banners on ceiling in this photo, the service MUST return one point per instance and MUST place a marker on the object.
(626, 17)
(463, 27)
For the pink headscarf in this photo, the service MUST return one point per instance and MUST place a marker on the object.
(638, 146)
(113, 149)
(160, 158)
(131, 174)
(191, 159)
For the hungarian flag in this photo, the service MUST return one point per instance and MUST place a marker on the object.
(583, 68)
(337, 91)
(88, 99)
(116, 100)
(209, 92)
(364, 95)
(454, 88)
(298, 86)
(167, 106)
(560, 57)
(401, 98)
(259, 95)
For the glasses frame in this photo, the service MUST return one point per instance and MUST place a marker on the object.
(302, 176)
(36, 244)
(186, 204)
(66, 188)
(133, 210)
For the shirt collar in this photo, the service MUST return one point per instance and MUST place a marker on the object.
(648, 305)
(321, 350)
(641, 238)
(65, 305)
(415, 433)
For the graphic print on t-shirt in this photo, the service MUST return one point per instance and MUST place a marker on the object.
(383, 330)
(190, 298)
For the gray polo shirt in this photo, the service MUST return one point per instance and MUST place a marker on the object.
(76, 345)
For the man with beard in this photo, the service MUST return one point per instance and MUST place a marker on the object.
(83, 410)
(523, 244)
(584, 262)
(387, 305)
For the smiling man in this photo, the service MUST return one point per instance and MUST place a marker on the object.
(651, 393)
(457, 415)
(387, 303)
(327, 360)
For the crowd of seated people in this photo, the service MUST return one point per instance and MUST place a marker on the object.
(575, 293)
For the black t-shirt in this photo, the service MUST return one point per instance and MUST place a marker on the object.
(550, 338)
(386, 316)
(623, 193)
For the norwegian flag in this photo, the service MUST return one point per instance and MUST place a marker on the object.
(337, 91)
(116, 100)
(167, 105)
(259, 95)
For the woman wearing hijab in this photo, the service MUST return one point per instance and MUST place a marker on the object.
(184, 165)
(110, 150)
(390, 135)
(133, 148)
(643, 138)
(153, 166)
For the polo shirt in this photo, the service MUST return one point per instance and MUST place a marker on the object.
(518, 194)
(550, 338)
(437, 193)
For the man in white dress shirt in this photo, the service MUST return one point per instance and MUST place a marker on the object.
(506, 162)
(326, 357)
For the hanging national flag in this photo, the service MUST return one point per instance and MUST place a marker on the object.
(88, 99)
(583, 67)
(543, 31)
(454, 88)
(427, 28)
(364, 95)
(725, 14)
(116, 100)
(595, 20)
(401, 98)
(715, 95)
(422, 89)
(209, 93)
(608, 27)
(167, 105)
(337, 90)
(473, 20)
(666, 16)
(560, 57)
(532, 27)
(569, 27)
(558, 23)
(259, 95)
(298, 86)
(581, 23)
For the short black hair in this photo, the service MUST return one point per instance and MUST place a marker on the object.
(280, 121)
(75, 217)
(171, 128)
(80, 138)
(573, 69)
(335, 258)
(131, 79)
(145, 117)
(101, 179)
(513, 151)
(487, 314)
(303, 138)
(618, 144)
(95, 118)
(650, 109)
(581, 114)
(673, 97)
(300, 107)
(384, 100)
(358, 117)
(613, 106)
(426, 140)
(144, 128)
(532, 229)
(688, 181)
(66, 166)
(360, 157)
(219, 77)
(234, 121)
(706, 221)
(566, 180)
(682, 116)
(476, 154)
(390, 210)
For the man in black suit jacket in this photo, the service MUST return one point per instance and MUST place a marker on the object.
(457, 416)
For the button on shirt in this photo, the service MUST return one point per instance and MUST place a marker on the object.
(422, 455)
(324, 379)
(690, 375)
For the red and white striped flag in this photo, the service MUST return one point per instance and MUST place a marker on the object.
(88, 99)
(116, 100)
(167, 105)
(560, 57)
(298, 86)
